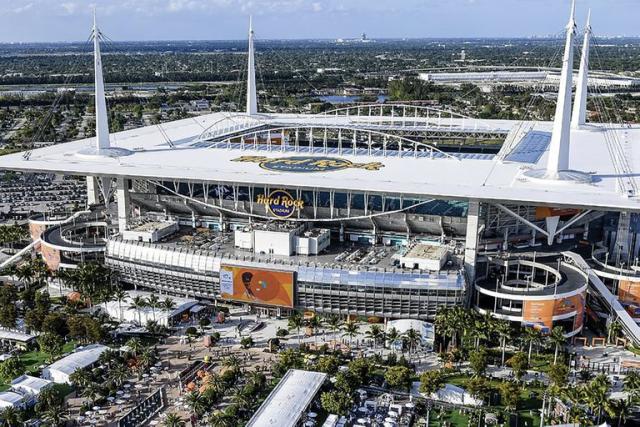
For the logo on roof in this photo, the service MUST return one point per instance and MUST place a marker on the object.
(280, 203)
(305, 164)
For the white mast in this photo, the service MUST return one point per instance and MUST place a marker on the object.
(558, 159)
(102, 120)
(252, 100)
(580, 104)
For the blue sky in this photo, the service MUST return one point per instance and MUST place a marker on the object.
(64, 20)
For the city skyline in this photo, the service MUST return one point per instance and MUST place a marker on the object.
(50, 21)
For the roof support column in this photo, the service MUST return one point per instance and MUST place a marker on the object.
(471, 243)
(123, 199)
(579, 116)
(93, 191)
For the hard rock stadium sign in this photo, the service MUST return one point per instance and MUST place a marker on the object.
(280, 203)
(305, 164)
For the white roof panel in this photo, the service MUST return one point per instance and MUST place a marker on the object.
(484, 178)
(82, 358)
(286, 403)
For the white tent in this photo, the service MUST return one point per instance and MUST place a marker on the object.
(11, 399)
(60, 371)
(30, 387)
(456, 395)
(122, 311)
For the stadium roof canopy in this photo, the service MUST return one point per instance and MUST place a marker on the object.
(176, 151)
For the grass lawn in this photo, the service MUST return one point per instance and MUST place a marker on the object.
(528, 407)
(33, 359)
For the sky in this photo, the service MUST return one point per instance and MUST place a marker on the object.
(70, 20)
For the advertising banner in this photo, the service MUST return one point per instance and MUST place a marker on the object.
(538, 313)
(629, 292)
(257, 285)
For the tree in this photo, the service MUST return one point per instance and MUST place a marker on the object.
(413, 339)
(336, 402)
(510, 395)
(361, 368)
(174, 420)
(328, 364)
(221, 419)
(8, 310)
(153, 302)
(137, 304)
(478, 387)
(246, 342)
(613, 331)
(632, 385)
(596, 396)
(619, 409)
(11, 417)
(392, 336)
(120, 296)
(431, 382)
(196, 403)
(375, 334)
(134, 345)
(532, 336)
(350, 329)
(478, 361)
(558, 374)
(296, 321)
(11, 368)
(55, 416)
(503, 329)
(557, 338)
(333, 322)
(51, 344)
(55, 323)
(398, 377)
(519, 363)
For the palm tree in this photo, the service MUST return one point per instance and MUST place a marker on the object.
(632, 385)
(413, 338)
(154, 303)
(91, 391)
(620, 409)
(392, 336)
(80, 378)
(196, 403)
(168, 304)
(334, 322)
(120, 296)
(296, 322)
(375, 334)
(137, 304)
(134, 345)
(503, 329)
(558, 339)
(118, 375)
(55, 416)
(11, 417)
(350, 330)
(532, 336)
(174, 420)
(220, 419)
(613, 330)
(231, 362)
(596, 396)
(314, 323)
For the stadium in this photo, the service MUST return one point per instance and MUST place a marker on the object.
(357, 211)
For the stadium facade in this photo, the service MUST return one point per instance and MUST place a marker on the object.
(357, 212)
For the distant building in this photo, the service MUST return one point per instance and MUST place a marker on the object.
(200, 105)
